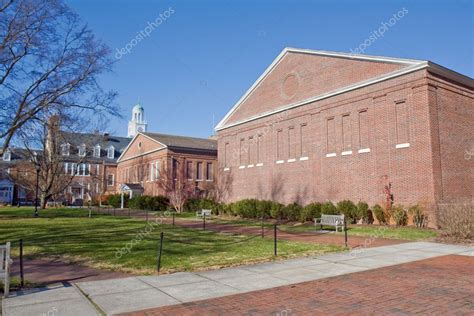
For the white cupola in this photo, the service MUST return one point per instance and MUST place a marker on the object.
(137, 123)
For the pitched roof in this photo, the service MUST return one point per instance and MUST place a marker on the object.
(409, 65)
(175, 141)
(91, 140)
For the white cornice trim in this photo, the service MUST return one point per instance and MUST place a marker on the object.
(143, 154)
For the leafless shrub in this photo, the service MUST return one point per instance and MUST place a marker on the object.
(457, 219)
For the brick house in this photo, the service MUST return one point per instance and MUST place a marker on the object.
(151, 158)
(320, 126)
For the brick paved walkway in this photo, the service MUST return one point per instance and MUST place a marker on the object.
(439, 286)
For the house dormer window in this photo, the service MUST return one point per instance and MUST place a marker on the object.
(82, 150)
(65, 149)
(111, 152)
(97, 151)
(7, 155)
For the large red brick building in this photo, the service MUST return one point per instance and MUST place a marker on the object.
(320, 126)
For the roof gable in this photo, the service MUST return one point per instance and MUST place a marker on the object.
(297, 75)
(175, 141)
(140, 145)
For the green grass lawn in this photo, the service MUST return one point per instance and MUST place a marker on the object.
(389, 232)
(98, 241)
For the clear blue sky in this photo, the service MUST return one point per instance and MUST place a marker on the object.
(192, 68)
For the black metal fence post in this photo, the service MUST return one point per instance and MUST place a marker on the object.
(160, 251)
(173, 219)
(263, 232)
(146, 215)
(275, 239)
(22, 278)
(345, 232)
(204, 221)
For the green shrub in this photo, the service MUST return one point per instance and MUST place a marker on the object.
(276, 210)
(363, 212)
(245, 208)
(329, 208)
(349, 209)
(399, 215)
(418, 216)
(150, 203)
(379, 214)
(310, 211)
(115, 200)
(292, 212)
(263, 208)
(191, 205)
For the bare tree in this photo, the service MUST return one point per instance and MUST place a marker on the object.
(49, 163)
(174, 185)
(49, 64)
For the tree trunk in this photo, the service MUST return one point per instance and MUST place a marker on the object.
(43, 201)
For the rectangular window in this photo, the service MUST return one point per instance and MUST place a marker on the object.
(401, 110)
(110, 180)
(242, 152)
(66, 168)
(303, 140)
(157, 170)
(199, 171)
(175, 169)
(292, 143)
(346, 132)
(226, 155)
(363, 130)
(331, 135)
(82, 150)
(209, 171)
(279, 146)
(65, 149)
(259, 144)
(252, 150)
(189, 170)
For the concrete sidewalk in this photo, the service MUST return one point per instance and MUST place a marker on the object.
(138, 293)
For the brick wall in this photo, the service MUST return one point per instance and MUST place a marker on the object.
(321, 151)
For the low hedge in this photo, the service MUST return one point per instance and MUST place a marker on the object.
(151, 203)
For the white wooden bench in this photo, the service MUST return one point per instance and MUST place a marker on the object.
(330, 220)
(5, 264)
(203, 213)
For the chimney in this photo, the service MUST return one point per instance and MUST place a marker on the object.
(53, 128)
(106, 136)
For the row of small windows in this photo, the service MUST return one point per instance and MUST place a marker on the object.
(81, 151)
(198, 172)
(293, 142)
(81, 169)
